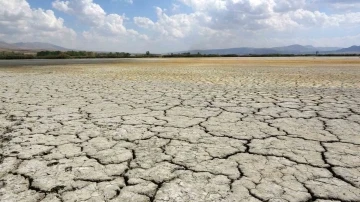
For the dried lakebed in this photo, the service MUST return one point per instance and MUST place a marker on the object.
(182, 130)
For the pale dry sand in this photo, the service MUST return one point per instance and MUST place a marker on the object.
(297, 71)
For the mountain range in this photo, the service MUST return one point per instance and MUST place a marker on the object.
(292, 49)
(30, 46)
(352, 49)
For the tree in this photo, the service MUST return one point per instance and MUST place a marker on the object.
(147, 53)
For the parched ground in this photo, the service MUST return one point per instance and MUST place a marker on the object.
(179, 130)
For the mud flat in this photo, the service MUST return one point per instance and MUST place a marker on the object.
(244, 129)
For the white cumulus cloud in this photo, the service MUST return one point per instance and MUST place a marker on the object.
(101, 23)
(105, 31)
(20, 22)
(184, 24)
(232, 23)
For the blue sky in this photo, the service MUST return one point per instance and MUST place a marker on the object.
(174, 25)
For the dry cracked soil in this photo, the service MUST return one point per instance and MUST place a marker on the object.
(179, 130)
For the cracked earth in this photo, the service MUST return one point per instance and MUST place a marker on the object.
(181, 130)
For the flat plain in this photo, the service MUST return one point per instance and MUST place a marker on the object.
(179, 130)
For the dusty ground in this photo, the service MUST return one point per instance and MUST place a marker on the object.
(248, 129)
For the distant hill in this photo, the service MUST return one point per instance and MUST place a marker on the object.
(292, 49)
(352, 49)
(4, 45)
(299, 49)
(31, 46)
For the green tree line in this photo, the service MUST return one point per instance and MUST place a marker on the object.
(61, 55)
(7, 55)
(14, 55)
(79, 54)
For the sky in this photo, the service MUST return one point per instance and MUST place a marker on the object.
(164, 26)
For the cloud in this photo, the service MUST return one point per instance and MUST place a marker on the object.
(271, 14)
(20, 22)
(126, 1)
(129, 1)
(101, 25)
(62, 6)
(231, 23)
(288, 5)
(144, 22)
(175, 7)
(254, 14)
(184, 24)
(85, 10)
(176, 26)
